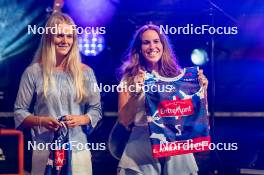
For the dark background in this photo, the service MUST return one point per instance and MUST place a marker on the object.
(236, 68)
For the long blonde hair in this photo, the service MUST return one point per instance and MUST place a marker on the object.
(46, 56)
(134, 60)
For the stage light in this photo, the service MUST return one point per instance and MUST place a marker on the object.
(92, 12)
(199, 57)
(91, 44)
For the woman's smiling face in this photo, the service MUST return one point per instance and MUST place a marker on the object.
(63, 40)
(151, 47)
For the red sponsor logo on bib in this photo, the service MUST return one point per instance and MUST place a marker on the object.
(59, 158)
(169, 108)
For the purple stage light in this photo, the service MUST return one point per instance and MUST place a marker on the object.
(91, 12)
(91, 44)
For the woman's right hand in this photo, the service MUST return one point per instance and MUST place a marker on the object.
(49, 122)
(138, 83)
(128, 101)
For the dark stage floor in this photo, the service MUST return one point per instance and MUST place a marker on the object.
(247, 132)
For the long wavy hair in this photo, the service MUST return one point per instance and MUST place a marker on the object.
(134, 60)
(46, 56)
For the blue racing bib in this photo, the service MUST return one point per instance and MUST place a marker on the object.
(177, 113)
